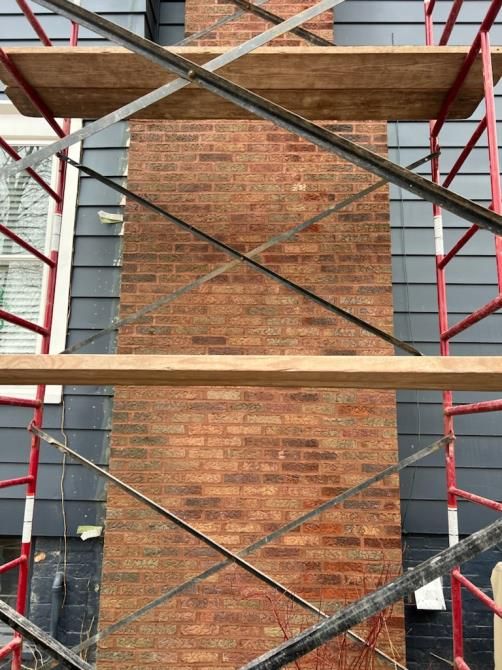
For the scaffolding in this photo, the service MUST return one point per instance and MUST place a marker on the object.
(435, 191)
(488, 123)
(50, 261)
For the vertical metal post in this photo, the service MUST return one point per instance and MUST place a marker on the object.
(493, 148)
(444, 344)
(26, 540)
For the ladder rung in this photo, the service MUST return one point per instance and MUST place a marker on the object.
(12, 564)
(473, 318)
(9, 648)
(22, 323)
(474, 408)
(479, 500)
(18, 481)
(477, 592)
(19, 402)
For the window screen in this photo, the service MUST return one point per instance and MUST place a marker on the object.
(24, 209)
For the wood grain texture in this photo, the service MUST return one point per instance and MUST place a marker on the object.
(382, 372)
(350, 83)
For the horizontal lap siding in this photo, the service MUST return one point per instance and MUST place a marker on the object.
(15, 30)
(472, 278)
(172, 21)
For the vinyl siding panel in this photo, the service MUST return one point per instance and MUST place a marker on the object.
(172, 21)
(135, 15)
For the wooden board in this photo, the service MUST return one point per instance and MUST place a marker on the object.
(323, 83)
(467, 373)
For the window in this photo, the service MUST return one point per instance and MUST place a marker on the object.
(27, 210)
(10, 549)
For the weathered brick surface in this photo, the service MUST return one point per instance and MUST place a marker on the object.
(240, 462)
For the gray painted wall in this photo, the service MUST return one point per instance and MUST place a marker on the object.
(471, 277)
(431, 632)
(94, 302)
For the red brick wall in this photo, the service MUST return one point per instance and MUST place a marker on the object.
(238, 463)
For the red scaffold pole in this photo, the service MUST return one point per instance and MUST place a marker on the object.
(18, 402)
(18, 481)
(488, 22)
(450, 22)
(475, 408)
(490, 307)
(486, 600)
(488, 124)
(22, 563)
(12, 564)
(493, 147)
(479, 500)
(34, 22)
(448, 428)
(480, 129)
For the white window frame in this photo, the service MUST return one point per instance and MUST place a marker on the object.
(17, 129)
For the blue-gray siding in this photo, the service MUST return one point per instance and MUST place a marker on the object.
(472, 278)
(135, 15)
(172, 21)
(94, 300)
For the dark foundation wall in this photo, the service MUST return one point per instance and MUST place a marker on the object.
(74, 610)
(429, 633)
(66, 608)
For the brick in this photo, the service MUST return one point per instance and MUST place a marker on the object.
(239, 462)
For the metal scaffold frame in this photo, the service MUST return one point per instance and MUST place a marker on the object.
(14, 647)
(488, 124)
(433, 191)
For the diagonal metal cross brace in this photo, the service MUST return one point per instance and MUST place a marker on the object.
(269, 111)
(217, 24)
(244, 258)
(254, 8)
(89, 20)
(264, 14)
(375, 602)
(174, 519)
(67, 657)
(259, 544)
(118, 323)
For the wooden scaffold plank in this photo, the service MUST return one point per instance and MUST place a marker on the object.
(390, 83)
(463, 373)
